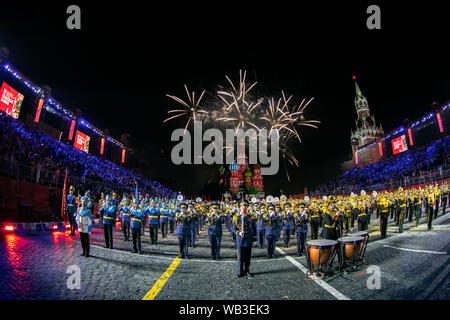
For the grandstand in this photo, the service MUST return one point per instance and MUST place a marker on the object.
(37, 146)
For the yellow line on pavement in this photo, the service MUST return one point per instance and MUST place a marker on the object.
(162, 280)
(374, 233)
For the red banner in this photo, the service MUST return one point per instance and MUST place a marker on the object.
(10, 100)
(82, 141)
(38, 111)
(399, 144)
(102, 145)
(72, 127)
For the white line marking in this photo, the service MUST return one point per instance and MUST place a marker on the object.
(414, 250)
(338, 295)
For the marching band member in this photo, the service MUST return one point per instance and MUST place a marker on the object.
(286, 219)
(243, 228)
(137, 216)
(71, 209)
(270, 221)
(362, 216)
(214, 222)
(301, 227)
(153, 222)
(384, 215)
(124, 214)
(260, 228)
(315, 221)
(108, 212)
(183, 230)
(164, 220)
(331, 215)
(84, 222)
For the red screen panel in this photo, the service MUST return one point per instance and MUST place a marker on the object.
(10, 100)
(399, 145)
(82, 141)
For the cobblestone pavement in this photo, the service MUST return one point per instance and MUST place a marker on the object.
(413, 265)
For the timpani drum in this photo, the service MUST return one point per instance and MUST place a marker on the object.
(319, 252)
(349, 247)
(363, 246)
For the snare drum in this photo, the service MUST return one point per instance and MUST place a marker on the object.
(351, 246)
(320, 251)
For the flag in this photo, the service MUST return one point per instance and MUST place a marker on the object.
(63, 202)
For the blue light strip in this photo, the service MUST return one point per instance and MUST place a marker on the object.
(55, 107)
(401, 129)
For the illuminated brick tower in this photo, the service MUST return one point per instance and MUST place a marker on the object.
(366, 132)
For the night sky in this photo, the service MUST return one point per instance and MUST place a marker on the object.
(118, 68)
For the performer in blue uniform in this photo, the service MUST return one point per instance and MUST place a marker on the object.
(108, 214)
(71, 209)
(124, 214)
(153, 222)
(214, 221)
(270, 223)
(164, 220)
(137, 216)
(183, 230)
(301, 227)
(286, 219)
(243, 228)
(84, 222)
(193, 224)
(260, 228)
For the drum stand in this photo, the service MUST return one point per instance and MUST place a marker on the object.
(363, 251)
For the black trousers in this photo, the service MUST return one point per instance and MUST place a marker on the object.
(261, 235)
(444, 205)
(214, 241)
(84, 238)
(436, 208)
(153, 233)
(72, 226)
(270, 246)
(286, 236)
(244, 255)
(401, 219)
(126, 229)
(183, 242)
(136, 234)
(430, 217)
(301, 238)
(164, 229)
(172, 225)
(314, 231)
(383, 223)
(418, 210)
(108, 231)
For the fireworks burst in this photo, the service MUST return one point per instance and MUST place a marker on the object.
(192, 109)
(237, 108)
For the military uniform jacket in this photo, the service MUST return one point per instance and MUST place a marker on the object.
(137, 218)
(248, 228)
(183, 224)
(153, 216)
(287, 220)
(124, 213)
(329, 228)
(270, 224)
(164, 217)
(260, 224)
(215, 224)
(71, 206)
(109, 214)
(301, 222)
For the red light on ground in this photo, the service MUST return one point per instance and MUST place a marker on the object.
(9, 228)
(354, 77)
